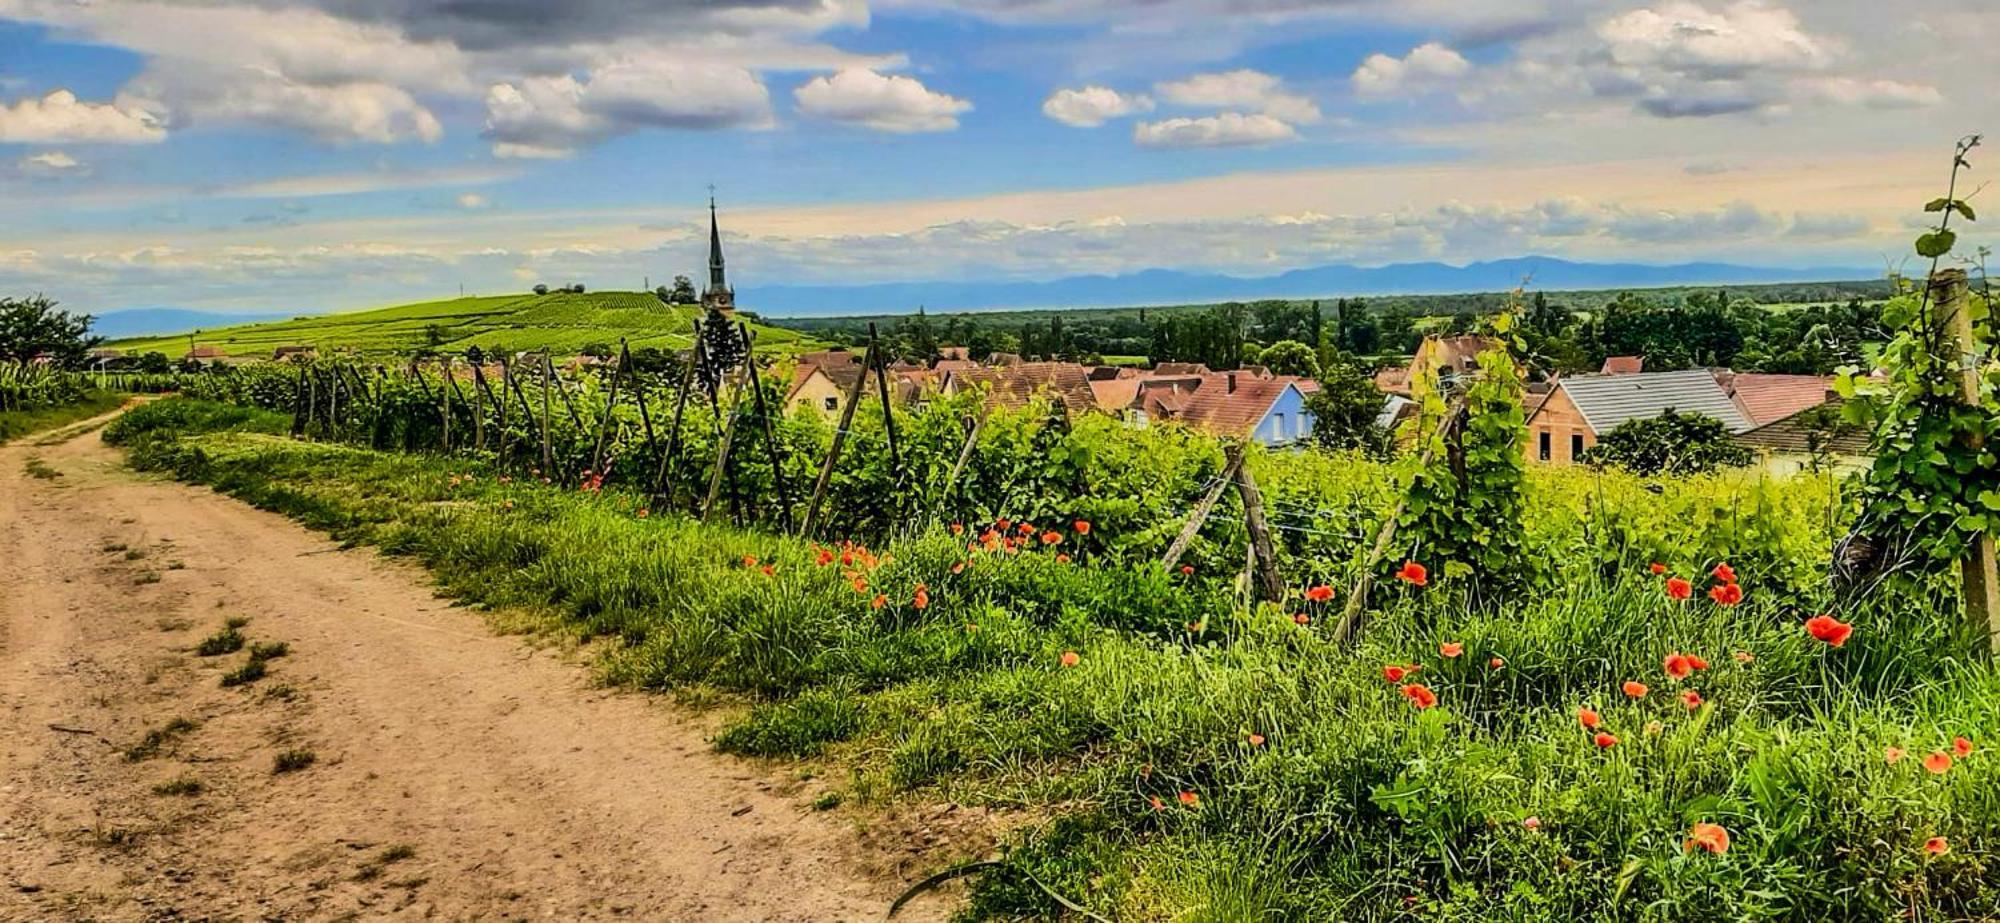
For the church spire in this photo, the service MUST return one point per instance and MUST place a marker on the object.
(717, 295)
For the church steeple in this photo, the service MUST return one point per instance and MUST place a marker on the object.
(717, 295)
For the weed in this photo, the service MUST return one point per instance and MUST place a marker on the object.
(283, 692)
(236, 622)
(134, 554)
(157, 738)
(113, 547)
(177, 565)
(226, 641)
(827, 801)
(36, 468)
(270, 650)
(146, 577)
(292, 761)
(180, 786)
(173, 624)
(250, 672)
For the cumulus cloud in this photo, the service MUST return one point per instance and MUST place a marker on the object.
(1243, 90)
(885, 103)
(1092, 106)
(1425, 65)
(61, 118)
(542, 117)
(1227, 129)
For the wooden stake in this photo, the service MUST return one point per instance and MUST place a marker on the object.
(888, 414)
(833, 451)
(452, 380)
(1981, 583)
(610, 404)
(1269, 585)
(964, 455)
(1233, 459)
(770, 431)
(548, 450)
(669, 460)
(299, 405)
(722, 446)
(444, 404)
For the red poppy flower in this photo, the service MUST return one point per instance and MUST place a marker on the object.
(1419, 695)
(1961, 746)
(1158, 805)
(1496, 663)
(749, 560)
(1062, 559)
(1678, 588)
(1256, 740)
(1070, 659)
(1696, 661)
(1082, 526)
(1829, 629)
(1937, 846)
(1413, 574)
(1892, 755)
(1691, 699)
(1004, 524)
(1319, 594)
(878, 602)
(1727, 594)
(825, 557)
(643, 513)
(1191, 799)
(1635, 690)
(1026, 528)
(1678, 666)
(768, 570)
(1711, 837)
(1052, 538)
(1657, 568)
(958, 528)
(1302, 618)
(1604, 741)
(1187, 568)
(1589, 718)
(1451, 649)
(923, 597)
(1724, 573)
(1937, 764)
(1394, 673)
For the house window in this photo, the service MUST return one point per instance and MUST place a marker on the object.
(1575, 446)
(832, 403)
(1546, 439)
(1278, 425)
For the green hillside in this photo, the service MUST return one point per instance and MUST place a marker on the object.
(560, 322)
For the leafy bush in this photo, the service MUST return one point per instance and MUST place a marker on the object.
(1672, 443)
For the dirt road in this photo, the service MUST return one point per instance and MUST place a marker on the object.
(455, 775)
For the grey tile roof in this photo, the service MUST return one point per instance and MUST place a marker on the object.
(1608, 400)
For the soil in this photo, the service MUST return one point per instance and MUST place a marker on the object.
(455, 774)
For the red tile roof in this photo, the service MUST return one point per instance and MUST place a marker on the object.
(1767, 398)
(1623, 365)
(1222, 410)
(1013, 386)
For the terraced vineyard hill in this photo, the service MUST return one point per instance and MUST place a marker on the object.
(560, 322)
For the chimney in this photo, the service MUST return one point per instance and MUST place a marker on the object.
(1232, 384)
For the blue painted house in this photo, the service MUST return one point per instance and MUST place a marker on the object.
(1271, 411)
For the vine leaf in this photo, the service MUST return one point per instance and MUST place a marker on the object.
(1937, 243)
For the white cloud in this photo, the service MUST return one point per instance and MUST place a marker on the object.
(1872, 94)
(1425, 65)
(472, 201)
(1228, 129)
(543, 117)
(1241, 89)
(1688, 39)
(60, 118)
(1092, 106)
(892, 103)
(51, 165)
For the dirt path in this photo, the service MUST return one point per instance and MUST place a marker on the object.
(457, 775)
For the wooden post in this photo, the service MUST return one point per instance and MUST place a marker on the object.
(668, 460)
(964, 455)
(833, 450)
(1233, 459)
(722, 446)
(888, 414)
(610, 404)
(452, 380)
(562, 390)
(1980, 582)
(299, 406)
(444, 405)
(1269, 586)
(548, 450)
(770, 431)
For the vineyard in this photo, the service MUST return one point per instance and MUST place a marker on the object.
(1212, 682)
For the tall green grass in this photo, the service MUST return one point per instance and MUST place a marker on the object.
(1349, 803)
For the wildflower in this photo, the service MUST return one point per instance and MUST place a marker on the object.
(1532, 823)
(1937, 846)
(1724, 573)
(1604, 741)
(1727, 594)
(1302, 618)
(1678, 588)
(643, 512)
(824, 557)
(1419, 695)
(1829, 629)
(1589, 718)
(958, 528)
(1745, 657)
(1695, 661)
(508, 505)
(1394, 673)
(768, 570)
(1026, 528)
(1413, 574)
(1052, 538)
(1082, 526)
(860, 586)
(1062, 559)
(879, 601)
(1635, 690)
(749, 560)
(1678, 666)
(1711, 837)
(1070, 659)
(1256, 740)
(1937, 764)
(958, 568)
(1187, 569)
(923, 597)
(1653, 728)
(1657, 568)
(1191, 799)
(1892, 755)
(1496, 663)
(1691, 699)
(1319, 594)
(1451, 649)
(1158, 805)
(1004, 524)
(1961, 746)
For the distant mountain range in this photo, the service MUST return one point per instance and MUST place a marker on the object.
(133, 322)
(1168, 287)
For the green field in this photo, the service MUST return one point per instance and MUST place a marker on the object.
(560, 322)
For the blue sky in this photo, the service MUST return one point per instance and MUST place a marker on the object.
(293, 155)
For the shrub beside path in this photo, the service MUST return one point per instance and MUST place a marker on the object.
(455, 774)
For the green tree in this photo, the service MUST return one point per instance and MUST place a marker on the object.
(33, 327)
(683, 291)
(1290, 357)
(1671, 443)
(1345, 409)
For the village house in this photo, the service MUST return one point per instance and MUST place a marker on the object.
(1580, 410)
(1447, 357)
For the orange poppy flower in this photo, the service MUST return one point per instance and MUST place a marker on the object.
(958, 528)
(923, 597)
(1413, 574)
(1191, 799)
(1695, 661)
(1187, 568)
(1070, 659)
(1961, 746)
(1062, 559)
(878, 602)
(1678, 666)
(1589, 718)
(1082, 526)
(1302, 618)
(958, 568)
(1829, 629)
(1745, 657)
(1496, 663)
(1604, 741)
(1711, 837)
(1937, 846)
(860, 586)
(825, 557)
(1937, 764)
(1657, 568)
(1691, 699)
(1724, 573)
(1158, 805)
(1678, 588)
(1319, 594)
(1026, 528)
(643, 513)
(1419, 695)
(749, 560)
(1727, 594)
(1635, 690)
(1052, 538)
(1532, 823)
(1394, 673)
(768, 570)
(1256, 740)
(1451, 649)
(1892, 755)
(1004, 524)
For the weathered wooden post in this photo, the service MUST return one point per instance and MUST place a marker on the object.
(727, 437)
(668, 459)
(833, 450)
(548, 449)
(1269, 586)
(888, 414)
(1232, 459)
(610, 404)
(1980, 583)
(778, 481)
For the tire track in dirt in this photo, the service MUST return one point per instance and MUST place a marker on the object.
(458, 775)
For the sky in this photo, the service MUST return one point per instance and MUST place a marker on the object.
(307, 155)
